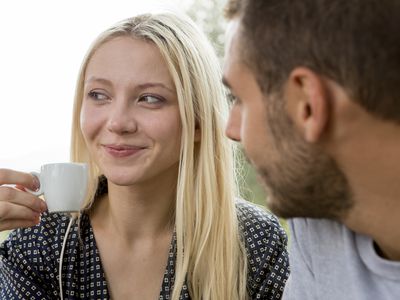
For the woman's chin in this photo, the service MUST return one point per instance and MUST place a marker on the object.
(122, 179)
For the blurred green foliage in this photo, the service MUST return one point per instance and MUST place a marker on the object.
(3, 235)
(207, 14)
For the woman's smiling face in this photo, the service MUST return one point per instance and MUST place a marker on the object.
(130, 114)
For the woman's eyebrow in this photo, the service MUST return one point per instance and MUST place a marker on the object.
(97, 79)
(141, 86)
(155, 84)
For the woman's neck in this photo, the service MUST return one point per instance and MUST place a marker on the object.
(135, 212)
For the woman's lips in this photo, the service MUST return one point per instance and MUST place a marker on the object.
(120, 151)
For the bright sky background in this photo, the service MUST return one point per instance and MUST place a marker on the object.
(42, 45)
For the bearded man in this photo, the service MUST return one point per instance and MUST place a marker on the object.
(316, 86)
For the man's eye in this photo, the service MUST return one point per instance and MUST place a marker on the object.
(97, 96)
(231, 98)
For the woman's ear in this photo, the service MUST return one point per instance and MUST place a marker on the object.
(308, 102)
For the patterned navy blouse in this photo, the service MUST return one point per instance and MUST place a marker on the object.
(29, 259)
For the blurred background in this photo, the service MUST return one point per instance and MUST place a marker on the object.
(43, 43)
(208, 14)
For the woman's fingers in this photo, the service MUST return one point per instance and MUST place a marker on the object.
(12, 224)
(14, 216)
(9, 210)
(27, 180)
(18, 208)
(17, 195)
(21, 198)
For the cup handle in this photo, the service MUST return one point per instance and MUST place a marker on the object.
(39, 192)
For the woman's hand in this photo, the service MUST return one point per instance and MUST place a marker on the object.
(19, 208)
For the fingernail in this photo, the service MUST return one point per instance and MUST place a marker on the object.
(36, 183)
(36, 219)
(43, 206)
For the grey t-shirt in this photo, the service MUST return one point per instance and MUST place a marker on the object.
(329, 261)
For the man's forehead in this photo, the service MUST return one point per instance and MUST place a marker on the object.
(232, 58)
(232, 28)
(231, 37)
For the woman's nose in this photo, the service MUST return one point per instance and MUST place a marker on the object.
(122, 118)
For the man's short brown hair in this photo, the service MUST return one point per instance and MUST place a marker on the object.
(353, 42)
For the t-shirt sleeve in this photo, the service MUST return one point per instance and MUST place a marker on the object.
(265, 242)
(300, 284)
(28, 263)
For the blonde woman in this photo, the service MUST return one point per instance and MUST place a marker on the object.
(161, 220)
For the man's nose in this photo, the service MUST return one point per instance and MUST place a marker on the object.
(232, 129)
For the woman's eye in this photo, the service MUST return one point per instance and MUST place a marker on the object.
(97, 96)
(150, 99)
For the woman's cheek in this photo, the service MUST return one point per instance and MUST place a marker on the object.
(90, 121)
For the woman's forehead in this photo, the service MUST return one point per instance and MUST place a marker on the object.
(126, 58)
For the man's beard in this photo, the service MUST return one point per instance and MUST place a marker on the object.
(304, 181)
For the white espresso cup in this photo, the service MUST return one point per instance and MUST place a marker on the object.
(63, 185)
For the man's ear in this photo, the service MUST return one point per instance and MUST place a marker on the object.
(307, 96)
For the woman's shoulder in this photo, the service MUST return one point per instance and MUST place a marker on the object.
(255, 219)
(30, 257)
(260, 229)
(265, 242)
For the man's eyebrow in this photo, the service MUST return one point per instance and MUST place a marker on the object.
(226, 83)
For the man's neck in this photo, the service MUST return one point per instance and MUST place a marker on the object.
(369, 158)
(379, 219)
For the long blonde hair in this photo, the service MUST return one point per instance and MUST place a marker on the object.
(210, 252)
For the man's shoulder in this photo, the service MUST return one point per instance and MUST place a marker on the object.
(326, 256)
(308, 229)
